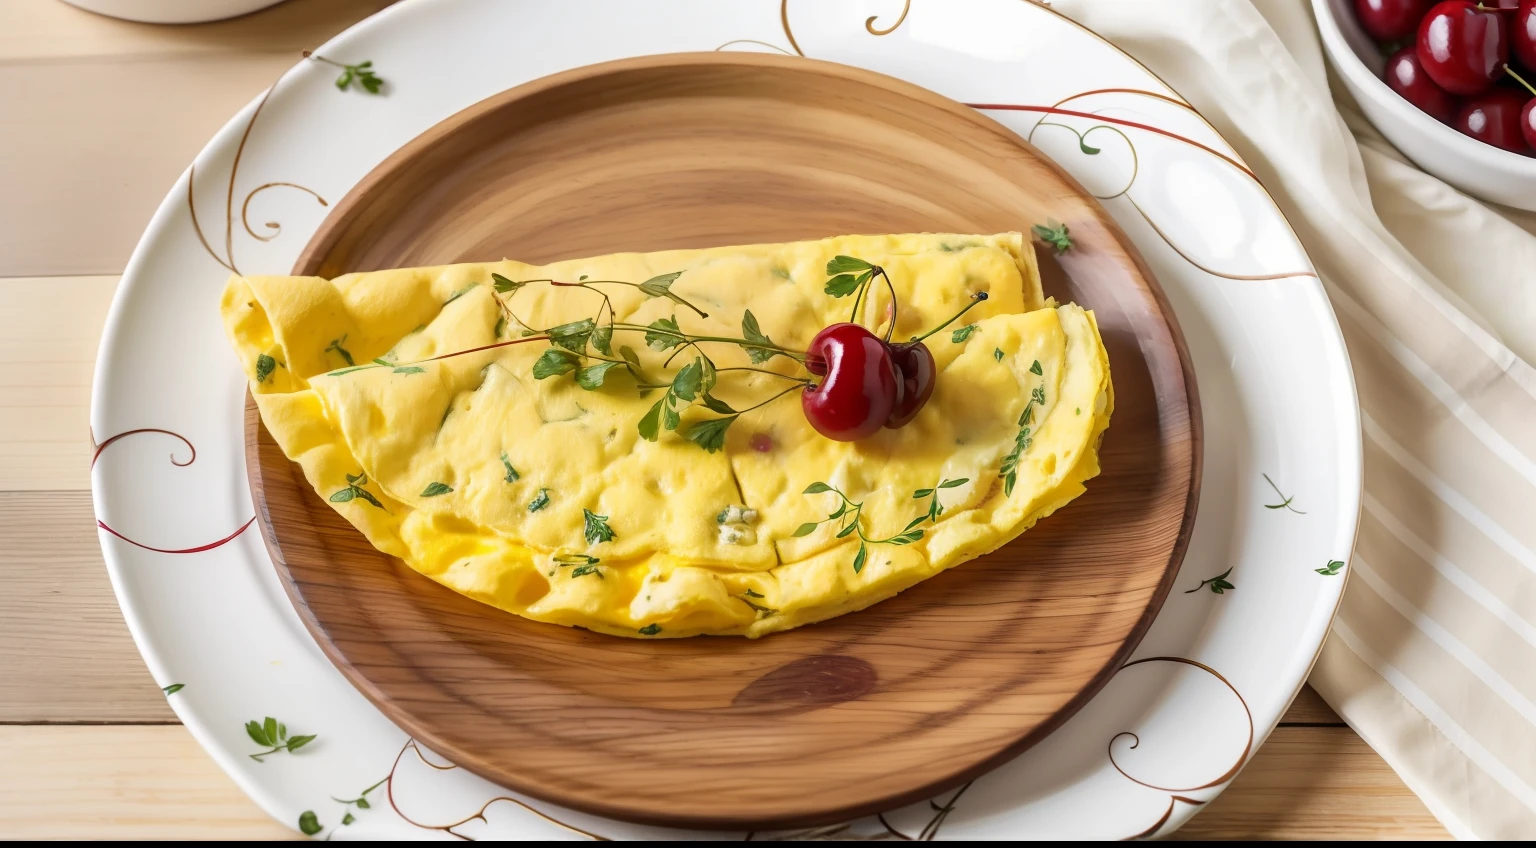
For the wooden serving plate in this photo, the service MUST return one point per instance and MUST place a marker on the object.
(827, 722)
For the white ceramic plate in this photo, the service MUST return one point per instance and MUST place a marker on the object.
(1211, 678)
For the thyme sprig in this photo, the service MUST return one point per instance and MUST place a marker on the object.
(1009, 471)
(849, 512)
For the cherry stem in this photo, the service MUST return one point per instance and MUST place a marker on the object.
(1519, 79)
(775, 397)
(894, 308)
(801, 380)
(976, 298)
(686, 337)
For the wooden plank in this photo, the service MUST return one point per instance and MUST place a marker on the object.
(33, 30)
(1309, 708)
(120, 783)
(64, 648)
(1315, 783)
(49, 330)
(154, 783)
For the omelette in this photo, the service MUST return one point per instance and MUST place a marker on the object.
(616, 443)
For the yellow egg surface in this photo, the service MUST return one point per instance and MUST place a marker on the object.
(617, 443)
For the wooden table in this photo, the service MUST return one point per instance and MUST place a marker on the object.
(97, 119)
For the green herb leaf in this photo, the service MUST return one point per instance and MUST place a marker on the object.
(1054, 235)
(539, 501)
(842, 285)
(512, 475)
(851, 528)
(460, 293)
(410, 369)
(663, 334)
(717, 405)
(686, 384)
(650, 630)
(859, 558)
(362, 803)
(264, 366)
(602, 339)
(381, 360)
(997, 353)
(628, 354)
(916, 521)
(347, 819)
(575, 559)
(504, 285)
(336, 345)
(817, 488)
(573, 336)
(650, 424)
(1331, 569)
(707, 375)
(710, 434)
(962, 334)
(922, 493)
(434, 489)
(342, 82)
(1217, 584)
(1034, 369)
(364, 494)
(669, 417)
(950, 484)
(554, 362)
(661, 286)
(591, 377)
(173, 688)
(843, 264)
(345, 495)
(752, 333)
(308, 823)
(298, 742)
(501, 327)
(269, 727)
(906, 538)
(258, 735)
(589, 568)
(805, 529)
(595, 528)
(751, 594)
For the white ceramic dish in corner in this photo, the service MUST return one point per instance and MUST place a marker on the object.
(172, 11)
(1474, 167)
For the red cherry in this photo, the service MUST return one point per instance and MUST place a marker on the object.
(1495, 118)
(860, 389)
(915, 373)
(1523, 34)
(1390, 20)
(1463, 47)
(1406, 77)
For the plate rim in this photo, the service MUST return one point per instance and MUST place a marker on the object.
(327, 233)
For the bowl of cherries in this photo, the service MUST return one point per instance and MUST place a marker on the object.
(1451, 83)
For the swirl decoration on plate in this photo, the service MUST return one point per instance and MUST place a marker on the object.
(111, 440)
(1105, 122)
(227, 259)
(1175, 792)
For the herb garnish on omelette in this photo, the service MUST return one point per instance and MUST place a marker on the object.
(609, 442)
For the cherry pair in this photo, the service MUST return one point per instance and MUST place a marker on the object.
(868, 382)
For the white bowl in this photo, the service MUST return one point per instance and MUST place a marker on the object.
(1470, 165)
(172, 11)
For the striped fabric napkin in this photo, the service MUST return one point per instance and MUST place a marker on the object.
(1432, 658)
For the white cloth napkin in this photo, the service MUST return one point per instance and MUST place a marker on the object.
(1432, 658)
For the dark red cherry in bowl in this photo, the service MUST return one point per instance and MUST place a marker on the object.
(1463, 47)
(1406, 76)
(1390, 20)
(1495, 118)
(1522, 34)
(915, 373)
(858, 391)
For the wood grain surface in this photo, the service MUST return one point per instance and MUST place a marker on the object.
(809, 726)
(89, 748)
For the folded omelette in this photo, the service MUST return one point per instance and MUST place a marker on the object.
(530, 436)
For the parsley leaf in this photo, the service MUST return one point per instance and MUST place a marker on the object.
(843, 285)
(602, 339)
(997, 353)
(1034, 369)
(573, 336)
(859, 558)
(717, 405)
(650, 630)
(512, 475)
(752, 333)
(1054, 235)
(710, 435)
(540, 501)
(309, 824)
(264, 366)
(686, 383)
(841, 264)
(173, 688)
(1331, 569)
(664, 334)
(591, 377)
(553, 362)
(504, 285)
(962, 334)
(595, 528)
(434, 489)
(364, 76)
(650, 425)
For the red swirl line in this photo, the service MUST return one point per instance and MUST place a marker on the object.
(184, 440)
(199, 549)
(1052, 110)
